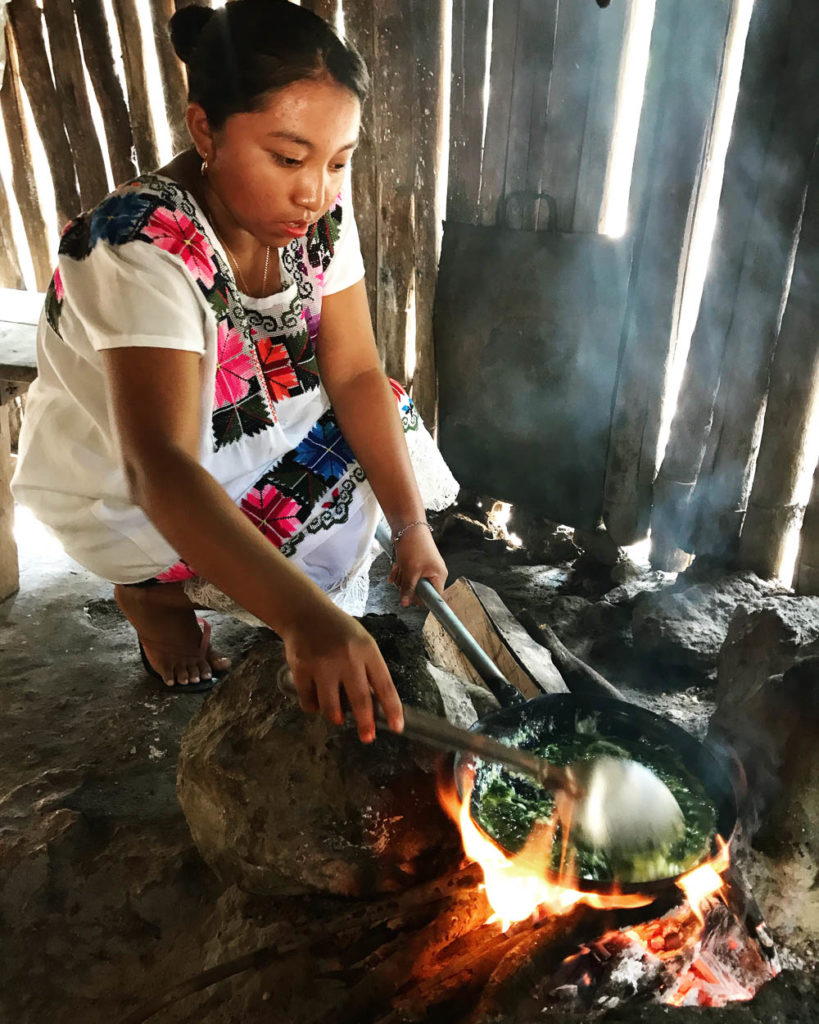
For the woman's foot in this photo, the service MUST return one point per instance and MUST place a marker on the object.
(170, 634)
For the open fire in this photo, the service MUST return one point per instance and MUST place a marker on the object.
(699, 953)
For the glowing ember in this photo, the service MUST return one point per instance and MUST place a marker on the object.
(518, 887)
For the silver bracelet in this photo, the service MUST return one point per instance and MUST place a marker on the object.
(418, 522)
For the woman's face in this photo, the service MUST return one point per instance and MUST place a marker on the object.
(278, 170)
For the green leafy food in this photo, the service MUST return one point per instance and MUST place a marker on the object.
(507, 806)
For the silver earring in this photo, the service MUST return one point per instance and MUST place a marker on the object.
(204, 168)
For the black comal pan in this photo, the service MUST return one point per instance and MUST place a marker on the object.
(556, 718)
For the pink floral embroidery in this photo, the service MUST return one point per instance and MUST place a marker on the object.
(177, 234)
(234, 367)
(272, 513)
(177, 572)
(59, 288)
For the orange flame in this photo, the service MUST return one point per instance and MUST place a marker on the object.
(518, 886)
(706, 880)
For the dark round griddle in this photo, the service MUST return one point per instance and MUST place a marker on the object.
(557, 716)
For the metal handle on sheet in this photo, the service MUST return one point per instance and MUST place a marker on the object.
(477, 657)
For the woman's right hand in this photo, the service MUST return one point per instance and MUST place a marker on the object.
(333, 657)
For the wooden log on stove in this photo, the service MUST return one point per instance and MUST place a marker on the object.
(35, 71)
(172, 73)
(581, 679)
(685, 59)
(133, 58)
(99, 60)
(723, 488)
(69, 79)
(526, 665)
(774, 504)
(468, 70)
(807, 563)
(731, 286)
(22, 167)
(360, 30)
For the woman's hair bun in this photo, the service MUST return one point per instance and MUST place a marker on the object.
(186, 28)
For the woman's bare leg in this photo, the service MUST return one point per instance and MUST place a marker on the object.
(165, 621)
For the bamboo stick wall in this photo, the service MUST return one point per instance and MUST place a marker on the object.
(734, 469)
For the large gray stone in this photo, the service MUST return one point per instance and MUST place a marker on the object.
(280, 802)
(763, 641)
(686, 624)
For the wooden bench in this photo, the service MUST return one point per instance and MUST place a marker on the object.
(18, 368)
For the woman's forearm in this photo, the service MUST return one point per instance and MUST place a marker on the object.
(197, 517)
(366, 412)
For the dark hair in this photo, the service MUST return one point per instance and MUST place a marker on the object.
(240, 53)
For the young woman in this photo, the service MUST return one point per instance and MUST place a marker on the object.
(210, 403)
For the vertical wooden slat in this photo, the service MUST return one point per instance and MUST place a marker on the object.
(323, 8)
(22, 167)
(724, 483)
(360, 29)
(10, 275)
(172, 72)
(99, 59)
(685, 59)
(69, 78)
(428, 75)
(529, 106)
(807, 563)
(505, 21)
(469, 28)
(672, 521)
(35, 72)
(133, 59)
(773, 505)
(599, 123)
(9, 568)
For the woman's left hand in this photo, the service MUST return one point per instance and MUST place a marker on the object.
(416, 558)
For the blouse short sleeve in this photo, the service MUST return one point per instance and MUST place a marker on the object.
(347, 266)
(134, 295)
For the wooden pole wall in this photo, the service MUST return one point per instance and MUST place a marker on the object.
(724, 484)
(673, 517)
(10, 275)
(133, 58)
(685, 59)
(35, 72)
(774, 506)
(806, 579)
(172, 72)
(99, 59)
(22, 167)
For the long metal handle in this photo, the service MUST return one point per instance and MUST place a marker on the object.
(443, 735)
(475, 654)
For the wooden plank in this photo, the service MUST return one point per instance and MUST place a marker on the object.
(470, 22)
(10, 274)
(525, 664)
(427, 46)
(35, 73)
(676, 120)
(23, 180)
(529, 106)
(807, 564)
(9, 567)
(18, 352)
(673, 517)
(133, 58)
(572, 77)
(723, 487)
(599, 124)
(360, 29)
(505, 21)
(172, 73)
(99, 59)
(69, 79)
(773, 504)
